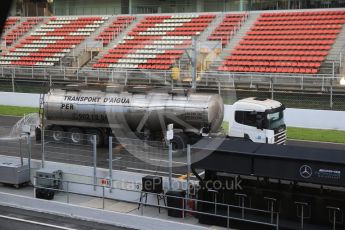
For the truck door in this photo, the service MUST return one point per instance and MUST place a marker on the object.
(246, 123)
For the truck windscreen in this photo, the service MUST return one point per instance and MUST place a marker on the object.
(275, 120)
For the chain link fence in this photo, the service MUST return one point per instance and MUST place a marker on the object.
(19, 147)
(66, 147)
(124, 154)
(320, 91)
(146, 156)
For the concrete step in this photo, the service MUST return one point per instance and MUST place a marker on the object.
(81, 47)
(33, 29)
(184, 60)
(337, 47)
(211, 27)
(115, 41)
(252, 17)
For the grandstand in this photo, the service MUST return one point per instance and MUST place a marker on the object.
(294, 42)
(50, 42)
(287, 42)
(285, 50)
(156, 42)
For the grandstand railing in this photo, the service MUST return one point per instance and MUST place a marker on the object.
(342, 61)
(313, 91)
(207, 78)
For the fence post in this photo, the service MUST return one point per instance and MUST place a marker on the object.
(103, 194)
(170, 166)
(183, 207)
(20, 152)
(227, 219)
(272, 88)
(13, 89)
(67, 188)
(29, 157)
(35, 186)
(331, 95)
(188, 168)
(94, 161)
(333, 70)
(141, 205)
(110, 163)
(43, 146)
(165, 77)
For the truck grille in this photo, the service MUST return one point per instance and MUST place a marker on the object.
(280, 137)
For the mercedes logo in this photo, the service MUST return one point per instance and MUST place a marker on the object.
(305, 171)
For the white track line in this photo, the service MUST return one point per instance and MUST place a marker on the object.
(36, 223)
(322, 142)
(147, 170)
(166, 161)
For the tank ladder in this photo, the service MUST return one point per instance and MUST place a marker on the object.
(41, 109)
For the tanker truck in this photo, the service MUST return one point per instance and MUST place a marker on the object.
(145, 113)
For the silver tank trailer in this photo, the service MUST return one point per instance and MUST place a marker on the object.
(96, 108)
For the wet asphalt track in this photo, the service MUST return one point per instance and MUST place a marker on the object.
(19, 219)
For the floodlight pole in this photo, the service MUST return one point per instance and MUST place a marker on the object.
(193, 60)
(194, 64)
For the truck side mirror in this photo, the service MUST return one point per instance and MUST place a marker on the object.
(259, 124)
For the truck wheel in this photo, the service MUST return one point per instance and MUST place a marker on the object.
(57, 133)
(99, 136)
(75, 135)
(179, 141)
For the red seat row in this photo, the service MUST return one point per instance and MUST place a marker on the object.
(273, 64)
(290, 37)
(33, 59)
(282, 47)
(107, 60)
(277, 58)
(298, 27)
(77, 19)
(279, 52)
(100, 65)
(294, 32)
(287, 42)
(301, 18)
(113, 55)
(306, 22)
(157, 67)
(338, 12)
(268, 69)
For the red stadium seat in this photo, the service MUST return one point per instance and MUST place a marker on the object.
(293, 42)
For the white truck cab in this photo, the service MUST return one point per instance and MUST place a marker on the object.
(259, 120)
